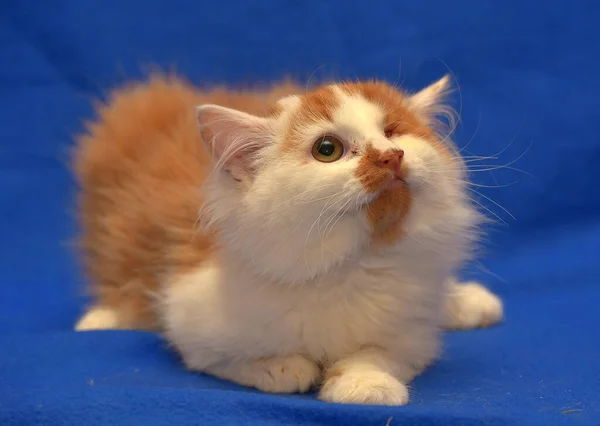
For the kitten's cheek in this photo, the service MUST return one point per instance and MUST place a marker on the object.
(417, 178)
(416, 182)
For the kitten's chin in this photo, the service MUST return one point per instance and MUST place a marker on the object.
(295, 256)
(294, 275)
(396, 183)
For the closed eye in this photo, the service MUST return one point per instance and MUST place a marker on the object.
(391, 131)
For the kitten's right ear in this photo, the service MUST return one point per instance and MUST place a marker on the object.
(233, 137)
(429, 102)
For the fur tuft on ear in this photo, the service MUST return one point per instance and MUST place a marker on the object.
(233, 137)
(429, 102)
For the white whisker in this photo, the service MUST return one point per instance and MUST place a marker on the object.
(453, 121)
(333, 216)
(472, 138)
(312, 74)
(339, 217)
(310, 189)
(488, 210)
(317, 221)
(492, 201)
(471, 160)
(465, 182)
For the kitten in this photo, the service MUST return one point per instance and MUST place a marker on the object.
(283, 239)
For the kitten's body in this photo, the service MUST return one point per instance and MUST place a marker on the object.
(279, 289)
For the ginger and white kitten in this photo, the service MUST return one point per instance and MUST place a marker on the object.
(331, 225)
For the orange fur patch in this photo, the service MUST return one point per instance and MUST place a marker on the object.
(139, 168)
(398, 116)
(387, 212)
(317, 105)
(314, 106)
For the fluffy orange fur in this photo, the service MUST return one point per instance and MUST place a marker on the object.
(140, 167)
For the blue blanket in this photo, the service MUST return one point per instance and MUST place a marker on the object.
(529, 74)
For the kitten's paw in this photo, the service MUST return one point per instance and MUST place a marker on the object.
(471, 305)
(363, 387)
(98, 318)
(293, 374)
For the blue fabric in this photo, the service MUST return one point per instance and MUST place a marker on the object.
(529, 74)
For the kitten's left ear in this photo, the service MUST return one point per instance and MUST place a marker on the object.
(429, 102)
(234, 138)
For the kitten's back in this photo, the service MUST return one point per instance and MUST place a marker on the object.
(140, 167)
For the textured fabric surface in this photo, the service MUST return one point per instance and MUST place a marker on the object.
(529, 79)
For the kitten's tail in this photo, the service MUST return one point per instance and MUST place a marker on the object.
(141, 146)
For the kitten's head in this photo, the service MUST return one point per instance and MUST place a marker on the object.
(326, 175)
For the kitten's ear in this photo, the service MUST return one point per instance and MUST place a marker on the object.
(233, 137)
(429, 102)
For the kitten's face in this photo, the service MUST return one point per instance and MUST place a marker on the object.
(329, 174)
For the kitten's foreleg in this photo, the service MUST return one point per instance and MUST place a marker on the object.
(369, 376)
(471, 305)
(279, 374)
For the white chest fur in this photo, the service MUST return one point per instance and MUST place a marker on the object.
(391, 299)
(211, 316)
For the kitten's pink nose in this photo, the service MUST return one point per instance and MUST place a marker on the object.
(391, 159)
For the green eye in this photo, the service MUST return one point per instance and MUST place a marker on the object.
(328, 149)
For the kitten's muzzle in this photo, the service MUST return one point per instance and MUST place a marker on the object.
(392, 159)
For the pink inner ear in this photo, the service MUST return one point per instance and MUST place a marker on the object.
(241, 159)
(233, 137)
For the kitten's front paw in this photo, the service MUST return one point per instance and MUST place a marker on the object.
(293, 374)
(363, 387)
(471, 305)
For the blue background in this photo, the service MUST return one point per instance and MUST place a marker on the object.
(529, 74)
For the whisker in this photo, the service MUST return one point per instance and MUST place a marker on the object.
(472, 138)
(465, 182)
(334, 215)
(488, 210)
(316, 199)
(358, 197)
(398, 83)
(490, 168)
(499, 153)
(317, 221)
(492, 201)
(454, 125)
(487, 271)
(339, 217)
(310, 189)
(312, 74)
(484, 207)
(471, 160)
(325, 210)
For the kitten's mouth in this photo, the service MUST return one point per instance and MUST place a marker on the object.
(399, 175)
(396, 182)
